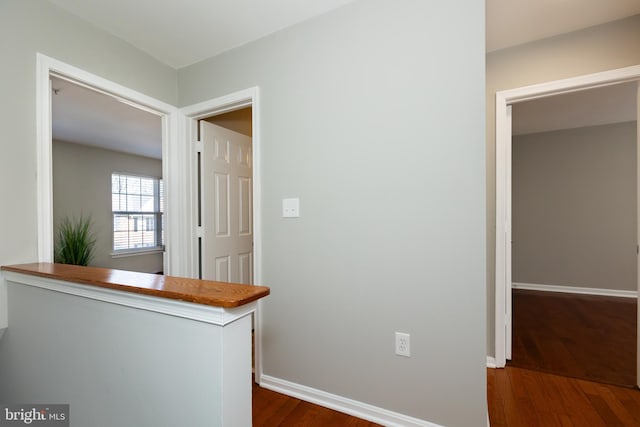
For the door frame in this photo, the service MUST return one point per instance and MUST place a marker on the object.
(504, 100)
(173, 169)
(191, 114)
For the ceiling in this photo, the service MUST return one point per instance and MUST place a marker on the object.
(592, 107)
(513, 22)
(180, 33)
(84, 116)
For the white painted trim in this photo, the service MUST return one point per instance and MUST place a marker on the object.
(203, 313)
(189, 129)
(174, 169)
(503, 176)
(575, 290)
(343, 404)
(572, 84)
(638, 228)
(43, 175)
(491, 362)
(508, 238)
(4, 304)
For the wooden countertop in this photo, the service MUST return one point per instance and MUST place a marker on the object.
(218, 294)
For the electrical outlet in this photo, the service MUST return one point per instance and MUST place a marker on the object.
(403, 344)
(291, 208)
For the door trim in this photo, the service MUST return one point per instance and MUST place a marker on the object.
(193, 113)
(173, 170)
(504, 99)
(638, 226)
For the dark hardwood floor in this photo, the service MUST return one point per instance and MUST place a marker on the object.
(581, 336)
(271, 409)
(525, 398)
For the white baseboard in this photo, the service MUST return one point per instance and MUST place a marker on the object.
(575, 290)
(491, 362)
(342, 404)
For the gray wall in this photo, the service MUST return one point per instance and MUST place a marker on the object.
(27, 27)
(82, 186)
(605, 47)
(32, 26)
(574, 207)
(389, 212)
(392, 232)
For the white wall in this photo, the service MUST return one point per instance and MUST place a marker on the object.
(600, 48)
(82, 186)
(574, 207)
(392, 232)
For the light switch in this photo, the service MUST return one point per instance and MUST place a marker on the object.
(290, 208)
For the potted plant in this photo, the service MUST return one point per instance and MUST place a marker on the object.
(75, 242)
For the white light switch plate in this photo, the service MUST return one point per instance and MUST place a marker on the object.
(291, 208)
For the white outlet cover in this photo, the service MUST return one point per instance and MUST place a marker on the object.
(291, 208)
(403, 344)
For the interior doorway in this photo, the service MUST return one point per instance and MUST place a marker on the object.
(574, 234)
(225, 197)
(176, 215)
(230, 116)
(504, 100)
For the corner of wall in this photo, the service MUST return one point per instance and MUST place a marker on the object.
(4, 315)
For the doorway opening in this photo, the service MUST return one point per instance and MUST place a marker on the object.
(48, 68)
(225, 182)
(574, 234)
(223, 137)
(504, 100)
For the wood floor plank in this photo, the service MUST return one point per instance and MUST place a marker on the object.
(582, 336)
(521, 410)
(533, 398)
(271, 409)
(626, 398)
(604, 400)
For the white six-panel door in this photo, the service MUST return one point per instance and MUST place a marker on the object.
(226, 194)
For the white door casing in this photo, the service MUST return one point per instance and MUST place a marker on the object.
(508, 238)
(178, 253)
(226, 194)
(638, 223)
(189, 126)
(503, 185)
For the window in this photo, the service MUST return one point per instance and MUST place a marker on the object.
(137, 204)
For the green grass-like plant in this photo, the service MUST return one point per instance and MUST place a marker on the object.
(75, 242)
